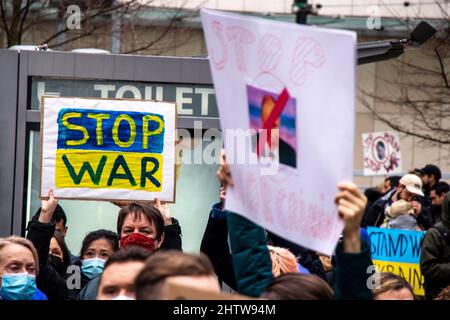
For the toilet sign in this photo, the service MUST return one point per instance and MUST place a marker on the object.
(108, 149)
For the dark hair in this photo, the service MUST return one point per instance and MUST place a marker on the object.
(99, 234)
(431, 169)
(296, 286)
(390, 281)
(138, 209)
(58, 215)
(62, 244)
(164, 264)
(394, 180)
(444, 294)
(132, 253)
(440, 188)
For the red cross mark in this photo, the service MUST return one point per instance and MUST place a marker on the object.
(270, 122)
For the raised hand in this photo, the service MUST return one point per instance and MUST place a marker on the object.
(224, 173)
(48, 207)
(165, 211)
(351, 204)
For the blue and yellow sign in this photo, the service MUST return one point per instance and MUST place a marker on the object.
(109, 149)
(398, 251)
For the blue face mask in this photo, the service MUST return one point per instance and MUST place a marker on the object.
(18, 286)
(92, 267)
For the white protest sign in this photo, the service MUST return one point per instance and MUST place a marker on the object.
(381, 153)
(108, 149)
(299, 80)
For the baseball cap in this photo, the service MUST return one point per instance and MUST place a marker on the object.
(431, 169)
(412, 183)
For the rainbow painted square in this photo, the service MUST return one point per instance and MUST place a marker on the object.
(109, 149)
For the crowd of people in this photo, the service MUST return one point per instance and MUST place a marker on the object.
(143, 257)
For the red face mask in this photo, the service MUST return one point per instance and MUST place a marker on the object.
(137, 239)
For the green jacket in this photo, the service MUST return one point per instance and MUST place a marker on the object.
(253, 265)
(251, 258)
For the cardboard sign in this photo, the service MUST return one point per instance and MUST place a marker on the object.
(381, 153)
(398, 251)
(286, 98)
(107, 149)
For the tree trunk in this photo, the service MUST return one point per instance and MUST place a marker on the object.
(14, 34)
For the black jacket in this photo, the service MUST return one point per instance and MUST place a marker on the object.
(48, 280)
(215, 246)
(435, 257)
(172, 236)
(374, 213)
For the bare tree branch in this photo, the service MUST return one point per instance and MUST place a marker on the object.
(161, 36)
(4, 22)
(86, 18)
(441, 64)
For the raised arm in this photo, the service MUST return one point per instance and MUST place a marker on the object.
(353, 253)
(40, 232)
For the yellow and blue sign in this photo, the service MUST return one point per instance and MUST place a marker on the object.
(398, 251)
(109, 149)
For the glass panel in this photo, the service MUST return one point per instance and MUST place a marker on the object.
(197, 190)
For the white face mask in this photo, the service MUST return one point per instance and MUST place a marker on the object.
(122, 297)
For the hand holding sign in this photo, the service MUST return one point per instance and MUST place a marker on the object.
(224, 173)
(48, 208)
(165, 211)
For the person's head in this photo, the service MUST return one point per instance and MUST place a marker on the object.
(389, 183)
(295, 286)
(444, 294)
(392, 287)
(59, 253)
(141, 225)
(446, 210)
(381, 150)
(96, 248)
(60, 219)
(416, 172)
(120, 272)
(283, 261)
(410, 187)
(430, 175)
(19, 265)
(191, 270)
(267, 106)
(437, 193)
(399, 208)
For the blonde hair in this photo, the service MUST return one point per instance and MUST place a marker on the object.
(400, 207)
(283, 261)
(4, 242)
(390, 281)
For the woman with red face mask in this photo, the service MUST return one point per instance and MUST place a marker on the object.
(149, 226)
(146, 225)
